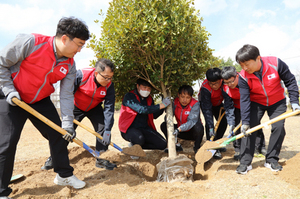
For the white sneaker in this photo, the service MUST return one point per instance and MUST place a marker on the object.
(5, 197)
(71, 181)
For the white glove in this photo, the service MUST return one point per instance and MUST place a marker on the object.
(244, 128)
(166, 101)
(231, 127)
(295, 107)
(12, 95)
(106, 137)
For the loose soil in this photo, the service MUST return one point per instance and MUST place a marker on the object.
(137, 179)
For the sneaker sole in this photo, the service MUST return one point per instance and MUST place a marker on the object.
(245, 172)
(66, 184)
(267, 165)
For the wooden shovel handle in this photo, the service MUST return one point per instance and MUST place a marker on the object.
(51, 124)
(95, 133)
(218, 123)
(276, 119)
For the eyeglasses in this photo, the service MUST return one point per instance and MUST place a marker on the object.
(106, 78)
(230, 82)
(79, 47)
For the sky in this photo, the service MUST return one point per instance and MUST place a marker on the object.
(271, 25)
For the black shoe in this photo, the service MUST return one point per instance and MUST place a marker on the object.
(243, 169)
(100, 163)
(48, 164)
(218, 155)
(178, 148)
(274, 166)
(223, 149)
(237, 156)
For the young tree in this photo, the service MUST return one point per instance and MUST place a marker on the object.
(161, 41)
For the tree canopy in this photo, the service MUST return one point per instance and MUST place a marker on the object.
(161, 41)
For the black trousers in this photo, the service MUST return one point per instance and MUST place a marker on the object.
(12, 120)
(96, 117)
(277, 132)
(195, 133)
(223, 124)
(146, 137)
(260, 138)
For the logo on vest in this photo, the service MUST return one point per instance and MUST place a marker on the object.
(63, 70)
(102, 93)
(271, 76)
(187, 112)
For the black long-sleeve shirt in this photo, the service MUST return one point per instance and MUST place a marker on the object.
(285, 75)
(142, 109)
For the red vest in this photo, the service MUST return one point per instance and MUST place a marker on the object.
(181, 114)
(216, 96)
(39, 71)
(127, 115)
(88, 96)
(270, 90)
(234, 94)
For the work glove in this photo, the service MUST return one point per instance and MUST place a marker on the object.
(231, 127)
(244, 128)
(106, 137)
(176, 132)
(166, 101)
(70, 135)
(211, 132)
(295, 107)
(12, 95)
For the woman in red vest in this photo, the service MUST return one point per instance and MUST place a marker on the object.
(186, 110)
(136, 117)
(261, 90)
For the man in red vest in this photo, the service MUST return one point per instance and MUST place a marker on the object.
(93, 86)
(136, 117)
(211, 101)
(231, 94)
(186, 110)
(29, 66)
(261, 90)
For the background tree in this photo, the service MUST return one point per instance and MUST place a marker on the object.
(161, 41)
(230, 62)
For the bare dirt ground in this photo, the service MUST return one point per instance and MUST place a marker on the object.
(137, 178)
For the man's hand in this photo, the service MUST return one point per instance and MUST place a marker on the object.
(166, 101)
(106, 137)
(295, 107)
(211, 132)
(231, 127)
(70, 135)
(12, 95)
(244, 128)
(176, 132)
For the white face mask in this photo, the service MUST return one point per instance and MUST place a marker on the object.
(144, 93)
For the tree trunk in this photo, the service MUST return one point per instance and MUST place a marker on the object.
(170, 126)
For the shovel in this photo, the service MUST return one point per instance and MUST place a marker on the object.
(216, 128)
(53, 125)
(137, 151)
(265, 124)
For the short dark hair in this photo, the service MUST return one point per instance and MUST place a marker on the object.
(228, 72)
(102, 63)
(143, 82)
(213, 74)
(246, 53)
(186, 89)
(72, 27)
